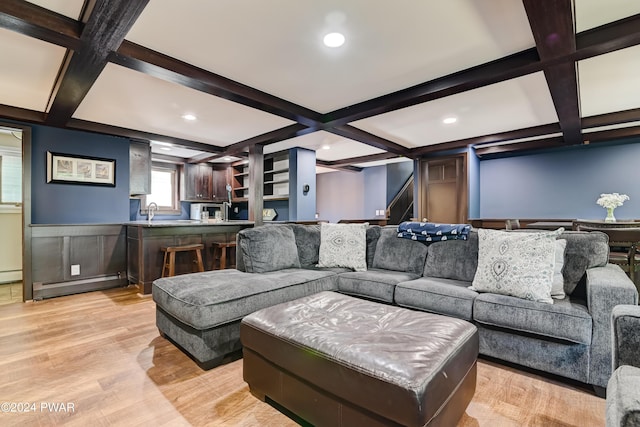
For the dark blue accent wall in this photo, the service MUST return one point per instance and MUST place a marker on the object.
(562, 184)
(473, 179)
(302, 170)
(72, 203)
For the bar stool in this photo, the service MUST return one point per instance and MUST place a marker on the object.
(169, 262)
(220, 250)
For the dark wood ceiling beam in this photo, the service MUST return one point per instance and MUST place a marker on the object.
(164, 67)
(21, 114)
(360, 159)
(367, 138)
(43, 24)
(538, 144)
(347, 168)
(108, 24)
(610, 134)
(529, 132)
(607, 38)
(515, 65)
(136, 134)
(608, 119)
(551, 23)
(267, 138)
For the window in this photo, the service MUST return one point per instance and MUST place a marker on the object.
(10, 177)
(164, 189)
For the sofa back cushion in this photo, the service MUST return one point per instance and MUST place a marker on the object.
(373, 234)
(308, 243)
(453, 259)
(268, 248)
(584, 250)
(397, 254)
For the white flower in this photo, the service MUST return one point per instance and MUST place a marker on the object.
(611, 201)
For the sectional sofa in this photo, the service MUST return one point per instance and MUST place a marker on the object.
(571, 337)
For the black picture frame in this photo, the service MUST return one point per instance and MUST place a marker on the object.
(84, 170)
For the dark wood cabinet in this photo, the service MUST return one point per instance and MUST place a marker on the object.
(205, 182)
(198, 181)
(276, 177)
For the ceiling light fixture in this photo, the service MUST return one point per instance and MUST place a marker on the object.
(189, 117)
(333, 40)
(166, 144)
(326, 147)
(165, 148)
(227, 159)
(449, 120)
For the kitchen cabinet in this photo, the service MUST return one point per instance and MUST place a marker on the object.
(205, 182)
(139, 168)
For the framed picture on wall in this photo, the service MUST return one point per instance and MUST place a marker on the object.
(72, 169)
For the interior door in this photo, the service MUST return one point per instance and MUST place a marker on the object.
(443, 192)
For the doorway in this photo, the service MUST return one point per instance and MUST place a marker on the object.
(11, 215)
(443, 189)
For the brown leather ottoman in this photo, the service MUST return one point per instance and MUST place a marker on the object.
(335, 360)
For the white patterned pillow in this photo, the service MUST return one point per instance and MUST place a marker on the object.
(516, 264)
(343, 245)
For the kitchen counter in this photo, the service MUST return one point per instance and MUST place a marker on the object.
(144, 240)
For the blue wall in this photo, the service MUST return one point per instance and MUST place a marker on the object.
(78, 204)
(302, 170)
(562, 183)
(473, 180)
(375, 190)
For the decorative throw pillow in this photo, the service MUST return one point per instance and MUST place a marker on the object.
(343, 245)
(557, 287)
(516, 264)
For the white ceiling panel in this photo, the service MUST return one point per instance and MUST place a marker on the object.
(28, 70)
(509, 105)
(593, 13)
(276, 46)
(69, 8)
(338, 147)
(609, 82)
(126, 98)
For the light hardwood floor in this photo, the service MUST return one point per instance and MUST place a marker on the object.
(101, 353)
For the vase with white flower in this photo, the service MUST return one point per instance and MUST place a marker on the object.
(610, 201)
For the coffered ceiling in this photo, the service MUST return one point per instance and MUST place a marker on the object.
(516, 75)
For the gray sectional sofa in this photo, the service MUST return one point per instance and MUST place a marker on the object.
(201, 312)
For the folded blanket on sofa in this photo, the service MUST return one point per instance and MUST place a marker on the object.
(433, 232)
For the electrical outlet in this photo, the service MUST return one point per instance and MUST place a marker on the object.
(75, 269)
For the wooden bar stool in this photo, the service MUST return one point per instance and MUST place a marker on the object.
(220, 250)
(169, 262)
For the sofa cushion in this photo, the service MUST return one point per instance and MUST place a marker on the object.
(308, 243)
(534, 317)
(213, 298)
(394, 253)
(373, 284)
(516, 264)
(584, 250)
(343, 245)
(557, 286)
(268, 248)
(453, 259)
(442, 296)
(373, 234)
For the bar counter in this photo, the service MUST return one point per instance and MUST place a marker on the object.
(144, 240)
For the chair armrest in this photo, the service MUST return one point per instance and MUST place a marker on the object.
(625, 324)
(607, 287)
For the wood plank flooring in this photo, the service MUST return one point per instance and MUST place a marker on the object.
(97, 359)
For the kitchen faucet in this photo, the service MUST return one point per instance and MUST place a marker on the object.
(151, 210)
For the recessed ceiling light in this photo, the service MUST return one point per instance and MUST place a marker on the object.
(165, 148)
(449, 120)
(189, 117)
(226, 159)
(333, 40)
(326, 147)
